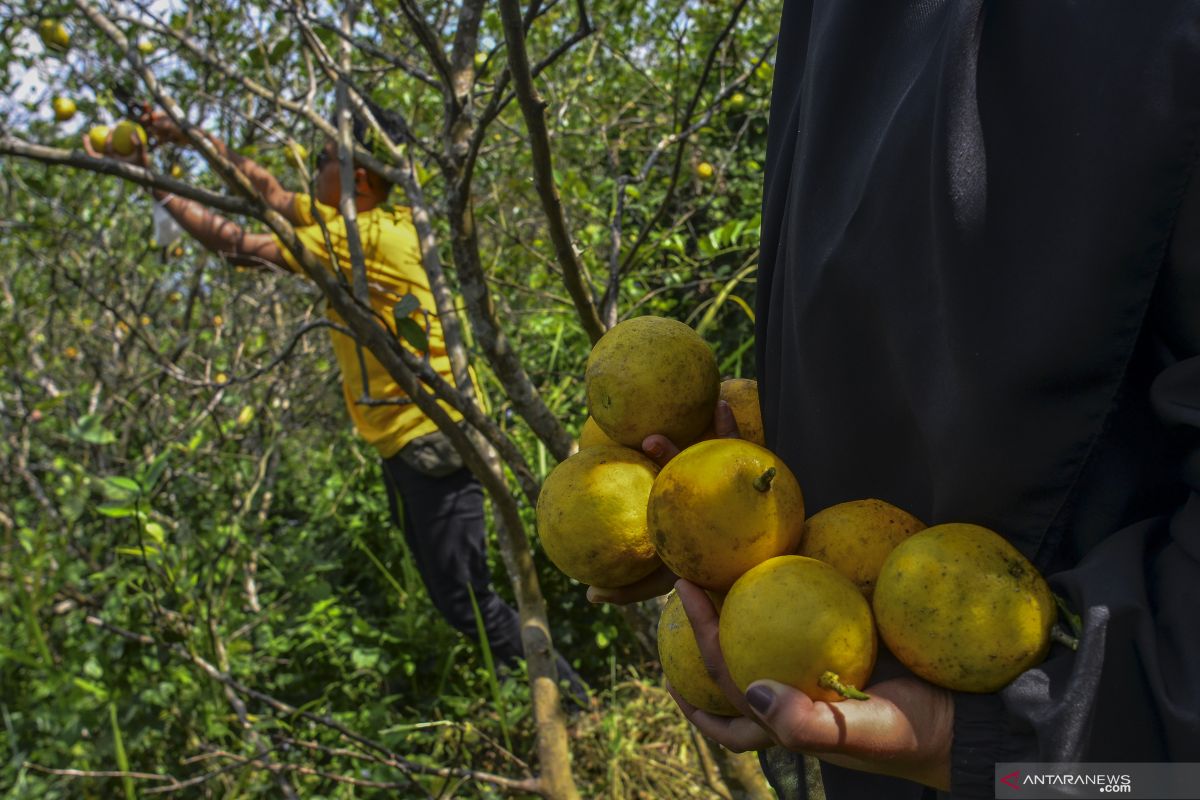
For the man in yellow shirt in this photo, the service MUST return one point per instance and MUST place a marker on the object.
(436, 499)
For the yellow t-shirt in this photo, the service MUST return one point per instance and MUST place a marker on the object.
(394, 269)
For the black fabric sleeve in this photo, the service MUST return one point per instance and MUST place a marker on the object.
(1132, 690)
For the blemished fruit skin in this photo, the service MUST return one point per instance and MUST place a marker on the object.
(962, 608)
(791, 619)
(713, 514)
(652, 375)
(682, 663)
(122, 136)
(591, 516)
(590, 435)
(742, 396)
(856, 537)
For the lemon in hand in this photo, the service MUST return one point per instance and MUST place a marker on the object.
(591, 516)
(802, 623)
(652, 375)
(722, 506)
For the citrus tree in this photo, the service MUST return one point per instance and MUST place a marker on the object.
(568, 164)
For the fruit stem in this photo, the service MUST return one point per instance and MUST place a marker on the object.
(763, 482)
(1062, 637)
(830, 680)
(1072, 618)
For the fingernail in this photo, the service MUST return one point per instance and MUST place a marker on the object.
(654, 449)
(760, 698)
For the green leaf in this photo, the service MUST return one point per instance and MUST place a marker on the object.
(412, 332)
(116, 510)
(97, 691)
(147, 552)
(280, 50)
(156, 532)
(406, 306)
(121, 489)
(89, 429)
(364, 659)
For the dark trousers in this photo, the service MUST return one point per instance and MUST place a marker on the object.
(444, 526)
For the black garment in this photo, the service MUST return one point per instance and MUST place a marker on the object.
(444, 526)
(979, 301)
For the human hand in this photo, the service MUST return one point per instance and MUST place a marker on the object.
(660, 450)
(904, 730)
(138, 156)
(162, 128)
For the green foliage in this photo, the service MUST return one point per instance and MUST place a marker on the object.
(182, 486)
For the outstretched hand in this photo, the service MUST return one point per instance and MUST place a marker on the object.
(139, 156)
(162, 128)
(904, 730)
(660, 450)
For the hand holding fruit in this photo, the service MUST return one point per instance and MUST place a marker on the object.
(806, 600)
(904, 729)
(124, 142)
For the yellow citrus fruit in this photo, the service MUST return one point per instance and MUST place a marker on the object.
(742, 396)
(590, 435)
(54, 34)
(218, 320)
(798, 621)
(722, 506)
(962, 608)
(123, 136)
(855, 538)
(591, 516)
(64, 108)
(682, 663)
(704, 170)
(145, 47)
(652, 375)
(297, 154)
(737, 101)
(145, 320)
(221, 377)
(98, 137)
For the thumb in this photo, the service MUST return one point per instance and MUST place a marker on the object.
(894, 722)
(799, 723)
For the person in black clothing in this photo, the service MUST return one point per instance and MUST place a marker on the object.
(979, 299)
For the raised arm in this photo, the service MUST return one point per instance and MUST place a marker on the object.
(277, 197)
(216, 233)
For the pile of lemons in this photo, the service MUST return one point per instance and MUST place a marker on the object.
(800, 601)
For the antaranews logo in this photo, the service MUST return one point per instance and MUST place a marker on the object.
(1161, 781)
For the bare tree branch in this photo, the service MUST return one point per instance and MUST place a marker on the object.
(533, 108)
